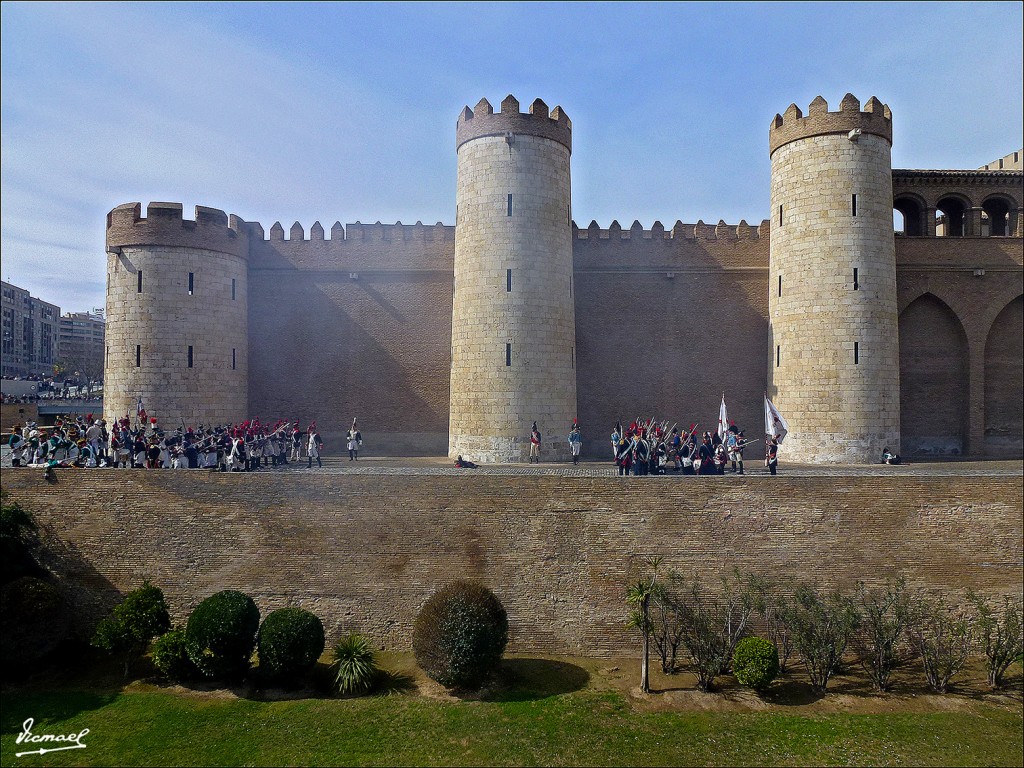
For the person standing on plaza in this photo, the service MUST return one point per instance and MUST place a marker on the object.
(17, 444)
(733, 443)
(354, 439)
(313, 446)
(575, 442)
(296, 441)
(771, 455)
(616, 439)
(535, 444)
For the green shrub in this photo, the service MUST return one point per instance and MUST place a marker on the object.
(171, 657)
(460, 634)
(136, 620)
(33, 622)
(355, 666)
(822, 626)
(221, 633)
(17, 531)
(290, 641)
(755, 662)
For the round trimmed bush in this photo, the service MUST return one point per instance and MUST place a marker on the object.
(290, 641)
(755, 662)
(221, 634)
(171, 657)
(460, 634)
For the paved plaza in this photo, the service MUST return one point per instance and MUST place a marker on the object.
(439, 465)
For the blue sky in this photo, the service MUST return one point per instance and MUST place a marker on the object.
(326, 112)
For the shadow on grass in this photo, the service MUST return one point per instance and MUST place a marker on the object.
(48, 707)
(318, 683)
(525, 679)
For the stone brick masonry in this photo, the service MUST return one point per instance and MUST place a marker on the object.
(365, 551)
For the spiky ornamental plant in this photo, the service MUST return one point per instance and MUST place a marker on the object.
(355, 665)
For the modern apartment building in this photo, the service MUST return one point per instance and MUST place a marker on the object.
(31, 329)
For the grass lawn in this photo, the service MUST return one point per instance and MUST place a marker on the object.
(539, 712)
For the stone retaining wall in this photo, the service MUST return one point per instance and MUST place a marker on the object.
(365, 552)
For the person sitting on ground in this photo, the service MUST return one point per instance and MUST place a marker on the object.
(462, 463)
(888, 457)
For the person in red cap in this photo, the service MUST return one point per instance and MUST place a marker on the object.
(296, 438)
(354, 439)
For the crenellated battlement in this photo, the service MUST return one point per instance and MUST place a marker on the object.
(791, 125)
(165, 225)
(482, 121)
(357, 232)
(680, 231)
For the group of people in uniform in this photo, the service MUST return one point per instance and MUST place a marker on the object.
(91, 442)
(652, 448)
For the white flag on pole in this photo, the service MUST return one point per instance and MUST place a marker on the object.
(723, 420)
(774, 424)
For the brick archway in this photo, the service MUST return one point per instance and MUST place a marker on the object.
(934, 379)
(1004, 382)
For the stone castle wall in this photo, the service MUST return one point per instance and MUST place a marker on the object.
(328, 346)
(365, 552)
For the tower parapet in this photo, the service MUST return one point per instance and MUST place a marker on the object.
(164, 225)
(792, 125)
(176, 314)
(482, 120)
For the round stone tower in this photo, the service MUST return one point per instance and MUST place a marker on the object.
(177, 319)
(513, 318)
(834, 366)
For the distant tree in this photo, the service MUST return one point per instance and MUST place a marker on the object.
(822, 626)
(220, 635)
(737, 605)
(639, 596)
(706, 633)
(460, 634)
(1000, 635)
(772, 602)
(666, 613)
(942, 636)
(885, 614)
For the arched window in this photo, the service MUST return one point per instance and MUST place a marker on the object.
(908, 216)
(949, 218)
(995, 217)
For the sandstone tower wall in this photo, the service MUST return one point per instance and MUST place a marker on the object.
(513, 320)
(834, 355)
(177, 315)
